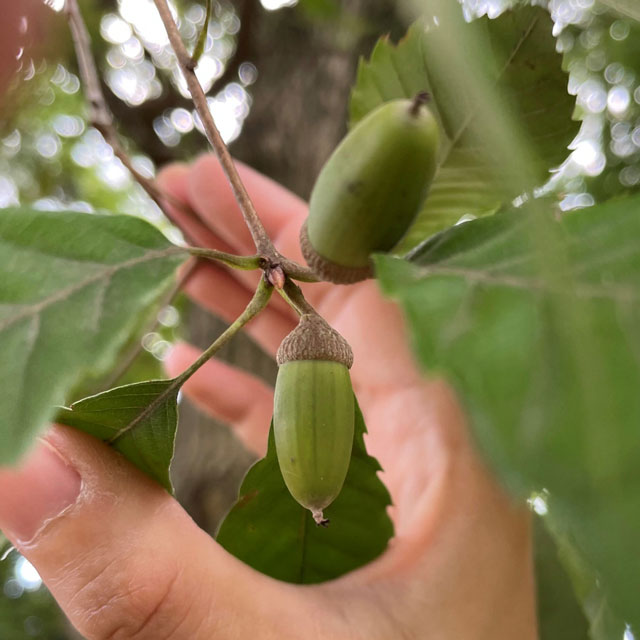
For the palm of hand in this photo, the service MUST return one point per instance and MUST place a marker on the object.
(459, 565)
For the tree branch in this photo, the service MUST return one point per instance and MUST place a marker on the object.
(261, 240)
(102, 119)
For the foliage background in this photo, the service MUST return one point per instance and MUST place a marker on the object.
(280, 117)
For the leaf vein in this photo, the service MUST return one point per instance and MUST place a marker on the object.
(67, 292)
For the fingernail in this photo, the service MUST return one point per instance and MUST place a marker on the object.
(41, 488)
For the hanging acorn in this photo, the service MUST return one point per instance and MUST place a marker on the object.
(313, 413)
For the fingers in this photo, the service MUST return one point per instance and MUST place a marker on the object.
(208, 227)
(454, 526)
(119, 554)
(173, 180)
(229, 394)
(281, 212)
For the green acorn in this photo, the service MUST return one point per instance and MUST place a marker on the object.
(371, 189)
(313, 413)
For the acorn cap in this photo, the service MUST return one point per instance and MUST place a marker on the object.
(327, 270)
(314, 339)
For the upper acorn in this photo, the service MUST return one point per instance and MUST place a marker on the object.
(371, 189)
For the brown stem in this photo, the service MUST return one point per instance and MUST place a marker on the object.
(102, 119)
(297, 271)
(419, 100)
(292, 293)
(261, 240)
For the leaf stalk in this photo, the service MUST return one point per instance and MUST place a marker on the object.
(256, 305)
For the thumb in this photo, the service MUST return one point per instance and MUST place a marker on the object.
(120, 555)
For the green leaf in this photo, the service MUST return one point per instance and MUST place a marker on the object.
(202, 37)
(271, 532)
(604, 623)
(72, 287)
(512, 57)
(559, 614)
(544, 349)
(139, 420)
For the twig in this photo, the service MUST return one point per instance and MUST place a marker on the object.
(100, 116)
(297, 271)
(255, 306)
(245, 263)
(102, 119)
(261, 240)
(131, 355)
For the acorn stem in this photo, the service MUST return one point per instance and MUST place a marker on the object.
(294, 297)
(419, 100)
(245, 263)
(255, 306)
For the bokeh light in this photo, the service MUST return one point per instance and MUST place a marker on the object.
(604, 78)
(26, 575)
(274, 5)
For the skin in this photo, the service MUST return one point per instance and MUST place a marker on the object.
(125, 561)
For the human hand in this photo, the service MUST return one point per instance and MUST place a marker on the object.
(125, 561)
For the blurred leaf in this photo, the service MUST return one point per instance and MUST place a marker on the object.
(547, 363)
(72, 286)
(604, 624)
(202, 37)
(629, 8)
(514, 54)
(559, 614)
(4, 544)
(123, 417)
(272, 533)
